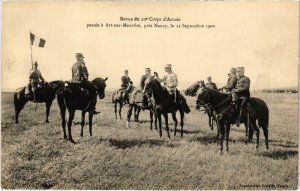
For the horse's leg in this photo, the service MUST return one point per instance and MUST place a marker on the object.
(62, 109)
(138, 114)
(151, 119)
(175, 121)
(82, 122)
(48, 106)
(167, 124)
(71, 117)
(253, 124)
(227, 126)
(209, 120)
(116, 103)
(19, 102)
(129, 115)
(222, 131)
(90, 122)
(159, 124)
(155, 120)
(181, 122)
(266, 134)
(120, 110)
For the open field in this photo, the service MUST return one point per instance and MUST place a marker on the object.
(35, 156)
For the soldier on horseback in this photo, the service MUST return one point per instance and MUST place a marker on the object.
(232, 80)
(34, 78)
(126, 85)
(241, 91)
(210, 84)
(80, 76)
(147, 76)
(170, 81)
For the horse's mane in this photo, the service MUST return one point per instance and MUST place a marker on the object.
(157, 89)
(216, 96)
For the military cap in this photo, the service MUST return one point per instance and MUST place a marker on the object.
(125, 70)
(147, 69)
(79, 55)
(168, 66)
(240, 69)
(232, 70)
(35, 63)
(209, 78)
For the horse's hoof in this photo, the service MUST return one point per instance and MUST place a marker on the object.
(72, 141)
(47, 121)
(81, 135)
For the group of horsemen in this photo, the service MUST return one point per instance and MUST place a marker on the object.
(237, 84)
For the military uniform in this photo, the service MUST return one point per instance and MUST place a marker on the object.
(125, 81)
(231, 83)
(144, 79)
(241, 91)
(34, 78)
(80, 75)
(77, 72)
(170, 81)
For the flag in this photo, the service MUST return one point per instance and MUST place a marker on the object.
(37, 41)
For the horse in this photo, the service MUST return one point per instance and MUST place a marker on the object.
(117, 98)
(163, 103)
(46, 93)
(226, 114)
(192, 91)
(136, 99)
(74, 97)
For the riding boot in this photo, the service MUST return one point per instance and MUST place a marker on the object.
(34, 96)
(94, 102)
(239, 117)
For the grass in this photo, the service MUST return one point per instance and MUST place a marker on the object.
(35, 156)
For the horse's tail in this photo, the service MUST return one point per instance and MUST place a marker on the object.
(262, 112)
(263, 118)
(113, 97)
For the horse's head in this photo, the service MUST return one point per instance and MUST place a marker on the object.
(202, 95)
(151, 85)
(192, 90)
(100, 85)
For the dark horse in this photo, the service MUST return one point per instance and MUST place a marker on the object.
(257, 110)
(136, 99)
(192, 91)
(163, 103)
(73, 98)
(46, 93)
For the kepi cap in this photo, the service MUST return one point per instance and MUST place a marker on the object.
(168, 66)
(79, 55)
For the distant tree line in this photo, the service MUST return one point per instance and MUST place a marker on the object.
(278, 90)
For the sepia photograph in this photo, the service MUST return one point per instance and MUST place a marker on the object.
(165, 95)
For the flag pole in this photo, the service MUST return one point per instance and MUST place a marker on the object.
(31, 49)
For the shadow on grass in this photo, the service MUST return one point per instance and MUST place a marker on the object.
(125, 144)
(280, 154)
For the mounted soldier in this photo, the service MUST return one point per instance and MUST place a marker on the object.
(232, 80)
(144, 79)
(34, 79)
(210, 84)
(170, 82)
(80, 76)
(126, 85)
(241, 91)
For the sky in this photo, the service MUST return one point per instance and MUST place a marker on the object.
(261, 36)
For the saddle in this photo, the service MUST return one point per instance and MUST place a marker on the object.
(79, 88)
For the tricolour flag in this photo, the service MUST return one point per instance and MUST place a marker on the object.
(37, 41)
